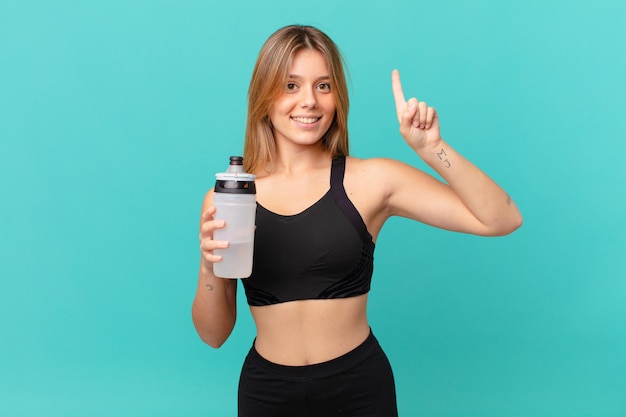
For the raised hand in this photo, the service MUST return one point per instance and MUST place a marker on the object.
(419, 123)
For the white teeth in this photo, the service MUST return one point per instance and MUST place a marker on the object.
(305, 119)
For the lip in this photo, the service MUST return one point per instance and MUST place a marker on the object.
(306, 121)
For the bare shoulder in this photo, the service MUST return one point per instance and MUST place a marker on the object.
(380, 165)
(370, 166)
(382, 171)
(401, 189)
(373, 185)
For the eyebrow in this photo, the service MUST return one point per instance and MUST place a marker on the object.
(298, 77)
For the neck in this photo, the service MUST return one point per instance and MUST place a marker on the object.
(298, 160)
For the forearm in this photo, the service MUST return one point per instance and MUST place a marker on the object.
(485, 199)
(214, 309)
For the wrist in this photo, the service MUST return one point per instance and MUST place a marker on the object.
(436, 150)
(206, 269)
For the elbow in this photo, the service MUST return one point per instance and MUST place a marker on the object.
(518, 223)
(509, 220)
(214, 342)
(515, 223)
(215, 339)
(213, 333)
(508, 227)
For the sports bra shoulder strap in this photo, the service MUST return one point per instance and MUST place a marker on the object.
(337, 174)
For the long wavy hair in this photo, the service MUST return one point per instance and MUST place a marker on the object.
(267, 84)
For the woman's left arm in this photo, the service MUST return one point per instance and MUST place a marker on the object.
(491, 210)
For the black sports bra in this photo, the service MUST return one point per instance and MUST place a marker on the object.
(323, 252)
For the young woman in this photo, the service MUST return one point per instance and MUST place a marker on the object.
(319, 214)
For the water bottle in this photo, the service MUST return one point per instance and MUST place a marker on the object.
(235, 202)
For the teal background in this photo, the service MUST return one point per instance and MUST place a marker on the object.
(114, 116)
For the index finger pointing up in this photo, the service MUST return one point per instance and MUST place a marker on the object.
(398, 94)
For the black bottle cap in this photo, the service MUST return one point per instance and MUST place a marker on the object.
(236, 160)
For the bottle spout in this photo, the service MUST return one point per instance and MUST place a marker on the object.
(236, 164)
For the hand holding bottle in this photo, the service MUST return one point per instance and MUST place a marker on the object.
(207, 244)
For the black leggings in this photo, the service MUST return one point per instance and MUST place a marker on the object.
(357, 384)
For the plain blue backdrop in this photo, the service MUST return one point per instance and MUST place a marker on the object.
(115, 115)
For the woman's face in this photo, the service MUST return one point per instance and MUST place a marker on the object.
(306, 108)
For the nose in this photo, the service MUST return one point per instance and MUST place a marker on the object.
(308, 98)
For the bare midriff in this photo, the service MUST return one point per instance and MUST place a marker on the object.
(306, 332)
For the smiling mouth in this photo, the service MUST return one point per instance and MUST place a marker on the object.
(306, 120)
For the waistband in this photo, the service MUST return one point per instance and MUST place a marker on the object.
(319, 370)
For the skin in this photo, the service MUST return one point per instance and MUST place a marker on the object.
(313, 331)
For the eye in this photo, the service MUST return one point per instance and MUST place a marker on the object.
(324, 86)
(291, 86)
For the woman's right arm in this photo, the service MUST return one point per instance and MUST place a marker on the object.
(214, 308)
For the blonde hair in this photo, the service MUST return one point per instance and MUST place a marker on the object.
(267, 84)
